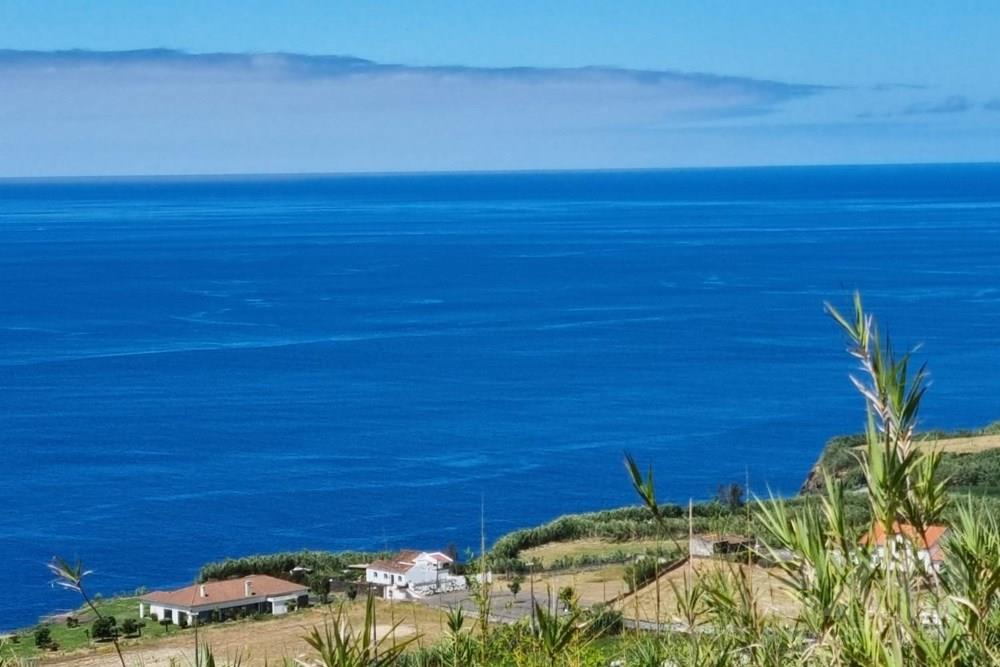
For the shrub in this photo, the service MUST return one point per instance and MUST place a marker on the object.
(605, 621)
(43, 637)
(104, 628)
(182, 622)
(131, 627)
(280, 564)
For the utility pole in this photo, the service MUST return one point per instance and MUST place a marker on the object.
(690, 539)
(531, 584)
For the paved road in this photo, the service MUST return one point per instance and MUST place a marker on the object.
(504, 608)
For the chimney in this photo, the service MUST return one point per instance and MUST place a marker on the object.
(248, 588)
(202, 592)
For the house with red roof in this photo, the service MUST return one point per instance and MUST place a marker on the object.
(220, 600)
(412, 573)
(908, 544)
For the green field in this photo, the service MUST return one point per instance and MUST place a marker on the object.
(71, 638)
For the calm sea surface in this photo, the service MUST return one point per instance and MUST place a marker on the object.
(193, 369)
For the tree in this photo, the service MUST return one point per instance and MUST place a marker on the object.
(43, 637)
(515, 585)
(320, 585)
(131, 627)
(104, 628)
(731, 495)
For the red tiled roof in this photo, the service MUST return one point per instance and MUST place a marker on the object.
(231, 590)
(929, 541)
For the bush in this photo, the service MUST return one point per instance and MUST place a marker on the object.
(981, 469)
(280, 564)
(72, 622)
(104, 628)
(182, 622)
(644, 570)
(43, 637)
(605, 621)
(131, 627)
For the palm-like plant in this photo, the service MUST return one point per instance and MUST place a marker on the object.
(70, 576)
(555, 634)
(340, 645)
(645, 488)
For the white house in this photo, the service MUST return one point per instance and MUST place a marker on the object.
(413, 573)
(218, 600)
(909, 544)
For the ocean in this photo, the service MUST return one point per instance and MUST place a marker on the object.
(206, 367)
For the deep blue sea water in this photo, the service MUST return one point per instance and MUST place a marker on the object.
(192, 369)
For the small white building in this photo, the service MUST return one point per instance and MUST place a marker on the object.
(413, 573)
(219, 600)
(709, 545)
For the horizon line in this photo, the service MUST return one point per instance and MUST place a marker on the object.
(236, 175)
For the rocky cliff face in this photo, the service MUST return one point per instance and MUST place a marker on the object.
(838, 458)
(814, 480)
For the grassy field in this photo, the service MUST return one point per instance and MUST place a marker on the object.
(71, 639)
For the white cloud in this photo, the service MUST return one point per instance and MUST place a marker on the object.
(162, 111)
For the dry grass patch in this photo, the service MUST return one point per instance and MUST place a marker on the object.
(772, 595)
(592, 585)
(262, 641)
(972, 445)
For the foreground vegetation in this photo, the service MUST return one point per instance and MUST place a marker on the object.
(855, 606)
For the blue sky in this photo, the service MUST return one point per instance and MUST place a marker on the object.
(295, 86)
